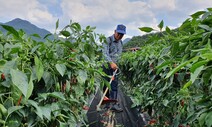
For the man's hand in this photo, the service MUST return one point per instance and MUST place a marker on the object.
(113, 66)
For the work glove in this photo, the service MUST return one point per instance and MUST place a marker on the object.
(113, 66)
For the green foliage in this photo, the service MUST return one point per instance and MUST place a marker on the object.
(172, 73)
(47, 83)
(161, 25)
(146, 29)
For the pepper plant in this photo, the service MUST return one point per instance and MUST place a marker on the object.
(48, 83)
(172, 73)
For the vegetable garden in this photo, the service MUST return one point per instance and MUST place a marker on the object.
(173, 74)
(48, 83)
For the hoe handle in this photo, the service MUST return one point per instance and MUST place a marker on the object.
(98, 106)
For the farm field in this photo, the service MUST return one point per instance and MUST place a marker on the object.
(50, 83)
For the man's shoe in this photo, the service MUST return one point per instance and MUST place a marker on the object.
(116, 108)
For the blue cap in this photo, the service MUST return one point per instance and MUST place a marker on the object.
(121, 29)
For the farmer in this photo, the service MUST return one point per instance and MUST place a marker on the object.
(112, 50)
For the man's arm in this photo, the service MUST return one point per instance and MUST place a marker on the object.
(107, 56)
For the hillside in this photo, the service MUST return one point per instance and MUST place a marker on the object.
(139, 41)
(28, 27)
(126, 40)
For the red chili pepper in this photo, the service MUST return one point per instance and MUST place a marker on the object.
(180, 125)
(151, 66)
(87, 91)
(152, 121)
(2, 76)
(182, 103)
(63, 87)
(176, 75)
(19, 100)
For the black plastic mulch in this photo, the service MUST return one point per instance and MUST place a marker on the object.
(130, 117)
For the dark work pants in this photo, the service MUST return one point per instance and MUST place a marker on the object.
(112, 94)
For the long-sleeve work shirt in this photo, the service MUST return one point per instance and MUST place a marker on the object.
(112, 49)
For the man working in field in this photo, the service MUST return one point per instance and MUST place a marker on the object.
(112, 51)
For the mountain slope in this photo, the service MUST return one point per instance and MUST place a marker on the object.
(126, 40)
(28, 27)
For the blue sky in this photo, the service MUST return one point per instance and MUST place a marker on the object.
(104, 14)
